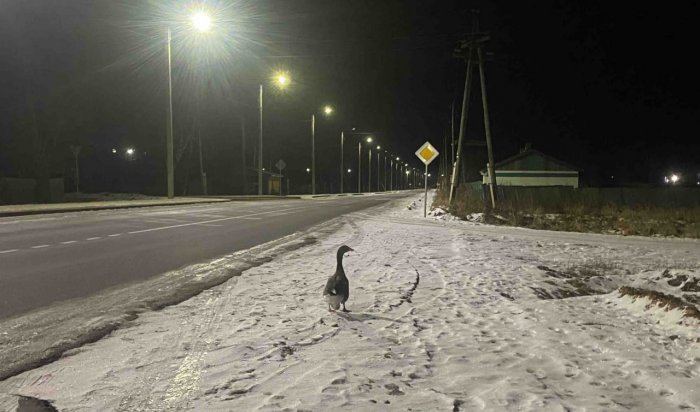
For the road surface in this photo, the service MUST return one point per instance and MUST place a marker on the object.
(48, 258)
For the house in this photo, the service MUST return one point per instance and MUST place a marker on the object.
(531, 167)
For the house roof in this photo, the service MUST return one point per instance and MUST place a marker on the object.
(541, 160)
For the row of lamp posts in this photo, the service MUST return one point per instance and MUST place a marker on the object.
(202, 23)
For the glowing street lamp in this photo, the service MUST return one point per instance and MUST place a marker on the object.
(327, 110)
(130, 151)
(379, 148)
(201, 22)
(281, 80)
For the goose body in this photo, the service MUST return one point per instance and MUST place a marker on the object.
(337, 290)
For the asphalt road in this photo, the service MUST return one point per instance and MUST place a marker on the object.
(48, 258)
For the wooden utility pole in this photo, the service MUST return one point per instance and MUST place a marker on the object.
(487, 128)
(462, 123)
(474, 44)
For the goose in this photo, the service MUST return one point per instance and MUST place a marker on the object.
(337, 288)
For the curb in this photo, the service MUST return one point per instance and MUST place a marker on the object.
(95, 208)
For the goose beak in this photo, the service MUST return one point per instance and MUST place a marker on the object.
(351, 249)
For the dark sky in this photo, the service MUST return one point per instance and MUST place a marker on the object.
(609, 88)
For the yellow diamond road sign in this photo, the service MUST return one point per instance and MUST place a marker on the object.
(427, 153)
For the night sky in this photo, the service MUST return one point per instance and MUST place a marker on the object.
(609, 88)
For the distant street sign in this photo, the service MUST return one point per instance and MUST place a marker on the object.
(427, 153)
(280, 164)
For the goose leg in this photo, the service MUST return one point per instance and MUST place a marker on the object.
(329, 308)
(345, 310)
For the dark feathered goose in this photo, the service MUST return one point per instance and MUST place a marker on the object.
(337, 288)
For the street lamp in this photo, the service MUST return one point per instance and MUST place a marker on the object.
(386, 152)
(327, 110)
(342, 156)
(201, 22)
(398, 176)
(281, 80)
(359, 163)
(391, 172)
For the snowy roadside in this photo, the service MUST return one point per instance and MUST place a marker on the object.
(447, 315)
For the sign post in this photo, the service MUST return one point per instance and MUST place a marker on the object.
(426, 153)
(280, 166)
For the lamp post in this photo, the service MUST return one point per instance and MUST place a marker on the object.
(359, 163)
(281, 79)
(378, 151)
(385, 154)
(398, 177)
(391, 173)
(327, 110)
(405, 170)
(201, 22)
(359, 152)
(369, 171)
(169, 162)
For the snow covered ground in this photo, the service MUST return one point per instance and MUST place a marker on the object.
(446, 316)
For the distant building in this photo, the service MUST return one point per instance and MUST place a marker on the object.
(533, 168)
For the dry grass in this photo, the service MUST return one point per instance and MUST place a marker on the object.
(580, 217)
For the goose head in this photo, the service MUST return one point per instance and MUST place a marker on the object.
(344, 249)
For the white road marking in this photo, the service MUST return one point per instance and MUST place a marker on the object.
(251, 216)
(215, 220)
(12, 222)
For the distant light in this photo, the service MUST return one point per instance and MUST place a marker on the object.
(379, 148)
(349, 170)
(408, 172)
(442, 175)
(397, 158)
(406, 165)
(263, 169)
(201, 21)
(369, 139)
(675, 178)
(429, 175)
(130, 151)
(308, 170)
(328, 110)
(114, 150)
